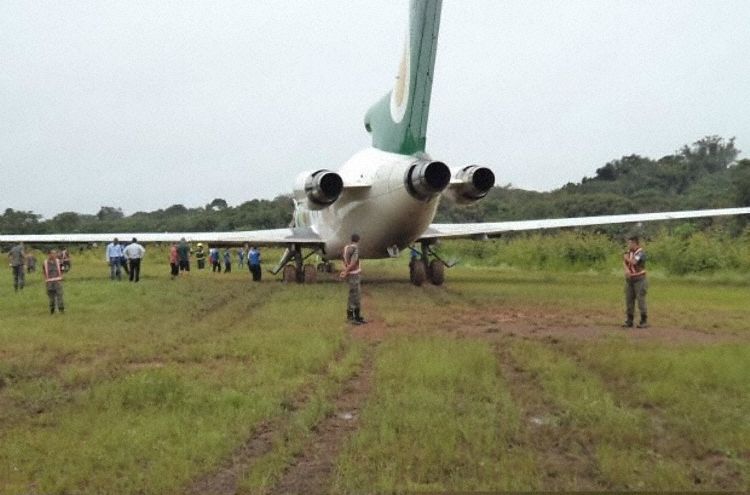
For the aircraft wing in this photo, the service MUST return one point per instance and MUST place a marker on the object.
(447, 230)
(278, 237)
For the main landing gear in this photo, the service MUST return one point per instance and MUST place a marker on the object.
(293, 267)
(422, 268)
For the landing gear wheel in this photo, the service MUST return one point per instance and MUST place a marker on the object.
(326, 267)
(309, 274)
(289, 275)
(437, 272)
(417, 273)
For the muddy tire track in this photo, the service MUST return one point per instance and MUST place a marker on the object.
(311, 472)
(224, 479)
(564, 461)
(708, 468)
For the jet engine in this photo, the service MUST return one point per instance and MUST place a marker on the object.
(321, 188)
(471, 184)
(425, 180)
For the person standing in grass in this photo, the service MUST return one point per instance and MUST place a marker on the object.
(200, 256)
(64, 259)
(240, 258)
(213, 258)
(17, 258)
(53, 276)
(636, 284)
(253, 263)
(114, 258)
(227, 261)
(173, 261)
(134, 253)
(183, 255)
(123, 259)
(30, 263)
(352, 273)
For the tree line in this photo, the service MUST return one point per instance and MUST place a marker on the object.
(706, 174)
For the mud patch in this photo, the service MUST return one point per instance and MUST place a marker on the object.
(557, 324)
(311, 472)
(564, 461)
(224, 479)
(375, 330)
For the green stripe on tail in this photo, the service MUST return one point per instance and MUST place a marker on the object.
(398, 122)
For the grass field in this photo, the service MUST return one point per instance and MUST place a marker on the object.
(500, 380)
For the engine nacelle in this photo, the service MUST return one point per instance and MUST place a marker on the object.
(471, 184)
(320, 188)
(425, 180)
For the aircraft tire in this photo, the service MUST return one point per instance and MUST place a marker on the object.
(437, 272)
(310, 274)
(417, 273)
(289, 275)
(325, 267)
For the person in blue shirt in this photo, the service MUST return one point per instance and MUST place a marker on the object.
(114, 258)
(213, 257)
(241, 257)
(253, 263)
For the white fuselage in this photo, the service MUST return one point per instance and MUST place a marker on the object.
(375, 204)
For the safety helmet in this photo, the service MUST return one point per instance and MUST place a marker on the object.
(200, 244)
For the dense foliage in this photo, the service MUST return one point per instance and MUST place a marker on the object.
(677, 251)
(702, 175)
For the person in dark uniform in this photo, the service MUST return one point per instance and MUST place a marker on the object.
(17, 259)
(636, 284)
(183, 256)
(227, 261)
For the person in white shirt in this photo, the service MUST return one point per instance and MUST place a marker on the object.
(134, 253)
(113, 257)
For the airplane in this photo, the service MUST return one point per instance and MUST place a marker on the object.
(387, 193)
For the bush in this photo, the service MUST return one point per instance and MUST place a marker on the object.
(685, 250)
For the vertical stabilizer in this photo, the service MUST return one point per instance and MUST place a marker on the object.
(398, 122)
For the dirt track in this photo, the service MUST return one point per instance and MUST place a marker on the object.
(559, 459)
(311, 472)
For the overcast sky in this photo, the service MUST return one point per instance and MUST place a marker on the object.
(142, 105)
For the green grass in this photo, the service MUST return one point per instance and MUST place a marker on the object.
(699, 394)
(297, 430)
(439, 419)
(146, 388)
(143, 387)
(619, 437)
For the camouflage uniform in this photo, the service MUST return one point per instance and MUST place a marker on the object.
(354, 278)
(53, 272)
(17, 263)
(636, 286)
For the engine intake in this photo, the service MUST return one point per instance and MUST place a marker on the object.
(323, 187)
(427, 179)
(474, 184)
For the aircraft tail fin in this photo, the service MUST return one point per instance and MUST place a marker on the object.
(398, 122)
